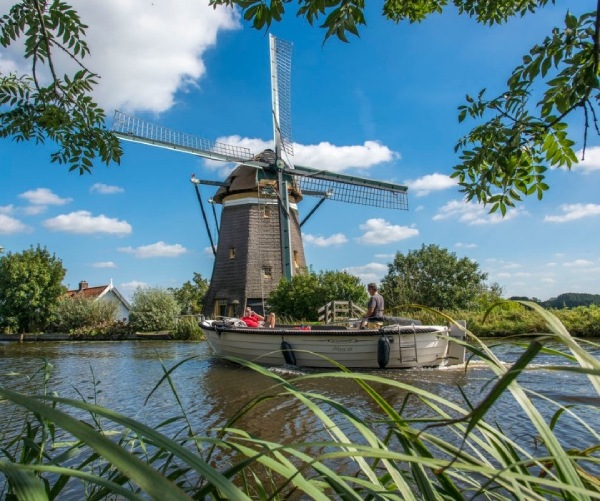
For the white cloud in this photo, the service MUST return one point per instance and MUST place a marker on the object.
(591, 161)
(43, 196)
(572, 212)
(339, 158)
(462, 245)
(371, 272)
(578, 263)
(474, 214)
(431, 182)
(31, 210)
(511, 266)
(83, 222)
(34, 210)
(144, 51)
(137, 72)
(379, 231)
(128, 288)
(105, 189)
(159, 249)
(208, 251)
(8, 66)
(10, 225)
(522, 274)
(319, 241)
(134, 284)
(104, 264)
(323, 155)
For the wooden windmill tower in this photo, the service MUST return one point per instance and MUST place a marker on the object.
(259, 237)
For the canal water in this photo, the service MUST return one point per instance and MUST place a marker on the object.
(121, 375)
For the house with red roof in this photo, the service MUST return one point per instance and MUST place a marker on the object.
(104, 293)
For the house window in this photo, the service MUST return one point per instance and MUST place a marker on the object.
(232, 253)
(267, 272)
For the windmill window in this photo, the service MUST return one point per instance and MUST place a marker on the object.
(296, 265)
(267, 212)
(221, 308)
(267, 272)
(232, 253)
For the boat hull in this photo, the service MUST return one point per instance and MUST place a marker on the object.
(419, 346)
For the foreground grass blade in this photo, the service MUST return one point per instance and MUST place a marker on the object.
(26, 485)
(69, 472)
(146, 477)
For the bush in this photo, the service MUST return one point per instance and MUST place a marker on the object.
(187, 329)
(153, 309)
(81, 315)
(582, 321)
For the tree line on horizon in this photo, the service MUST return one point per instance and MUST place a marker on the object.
(565, 300)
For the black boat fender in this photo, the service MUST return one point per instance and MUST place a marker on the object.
(288, 353)
(383, 351)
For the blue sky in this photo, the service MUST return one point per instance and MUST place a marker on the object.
(383, 106)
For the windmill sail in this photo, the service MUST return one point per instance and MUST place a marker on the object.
(351, 189)
(134, 129)
(281, 70)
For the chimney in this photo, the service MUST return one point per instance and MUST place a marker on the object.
(83, 285)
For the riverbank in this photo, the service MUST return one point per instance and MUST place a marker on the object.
(24, 338)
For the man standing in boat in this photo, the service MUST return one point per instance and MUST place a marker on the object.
(375, 308)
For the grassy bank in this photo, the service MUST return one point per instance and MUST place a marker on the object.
(506, 320)
(513, 319)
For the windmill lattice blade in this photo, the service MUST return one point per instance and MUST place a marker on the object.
(281, 75)
(351, 189)
(137, 130)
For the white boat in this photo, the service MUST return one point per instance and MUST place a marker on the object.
(394, 346)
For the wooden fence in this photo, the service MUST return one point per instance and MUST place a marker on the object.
(339, 311)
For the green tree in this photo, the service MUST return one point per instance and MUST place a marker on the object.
(434, 277)
(191, 294)
(30, 288)
(153, 309)
(61, 110)
(301, 297)
(517, 135)
(341, 286)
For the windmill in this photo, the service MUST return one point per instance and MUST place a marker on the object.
(259, 237)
